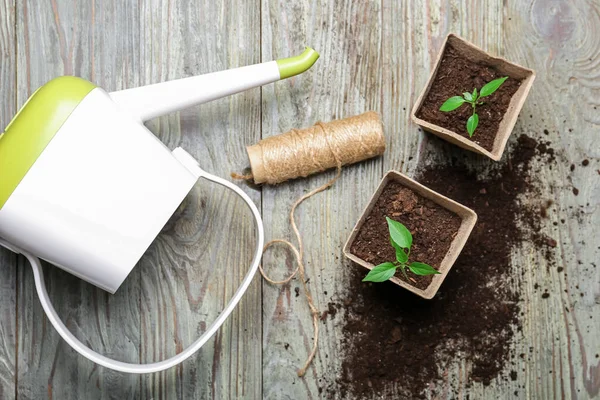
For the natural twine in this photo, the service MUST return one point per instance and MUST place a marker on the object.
(299, 153)
(300, 269)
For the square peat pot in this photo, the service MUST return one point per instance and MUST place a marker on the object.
(467, 222)
(504, 67)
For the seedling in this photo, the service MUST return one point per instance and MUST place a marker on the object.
(473, 99)
(401, 239)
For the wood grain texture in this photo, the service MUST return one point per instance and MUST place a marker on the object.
(202, 256)
(59, 38)
(375, 55)
(560, 39)
(345, 81)
(8, 260)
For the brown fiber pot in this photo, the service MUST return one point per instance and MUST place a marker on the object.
(467, 215)
(510, 117)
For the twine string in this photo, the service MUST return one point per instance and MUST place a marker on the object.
(299, 153)
(301, 269)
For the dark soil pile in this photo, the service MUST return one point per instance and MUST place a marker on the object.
(457, 75)
(394, 339)
(432, 226)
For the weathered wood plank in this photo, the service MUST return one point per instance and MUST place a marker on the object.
(8, 260)
(410, 50)
(8, 324)
(345, 81)
(201, 258)
(92, 41)
(563, 363)
(558, 39)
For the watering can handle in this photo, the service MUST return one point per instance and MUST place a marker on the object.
(162, 365)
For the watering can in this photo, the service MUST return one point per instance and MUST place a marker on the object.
(87, 187)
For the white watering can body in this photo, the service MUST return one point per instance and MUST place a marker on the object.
(98, 195)
(87, 187)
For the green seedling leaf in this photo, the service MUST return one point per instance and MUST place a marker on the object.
(472, 123)
(401, 256)
(475, 94)
(452, 103)
(468, 96)
(491, 87)
(419, 268)
(399, 234)
(381, 273)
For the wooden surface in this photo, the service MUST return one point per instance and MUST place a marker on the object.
(374, 55)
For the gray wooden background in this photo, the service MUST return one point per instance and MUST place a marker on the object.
(376, 55)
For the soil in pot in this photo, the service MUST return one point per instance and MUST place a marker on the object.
(432, 226)
(456, 75)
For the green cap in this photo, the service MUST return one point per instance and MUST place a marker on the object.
(34, 126)
(296, 65)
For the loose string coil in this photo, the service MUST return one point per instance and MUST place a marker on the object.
(299, 153)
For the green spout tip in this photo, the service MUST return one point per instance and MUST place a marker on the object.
(296, 65)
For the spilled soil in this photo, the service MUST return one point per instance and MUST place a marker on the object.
(432, 226)
(395, 342)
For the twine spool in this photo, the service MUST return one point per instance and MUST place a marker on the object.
(299, 153)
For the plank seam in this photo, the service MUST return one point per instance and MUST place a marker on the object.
(262, 211)
(16, 257)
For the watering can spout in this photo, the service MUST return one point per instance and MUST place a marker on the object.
(151, 101)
